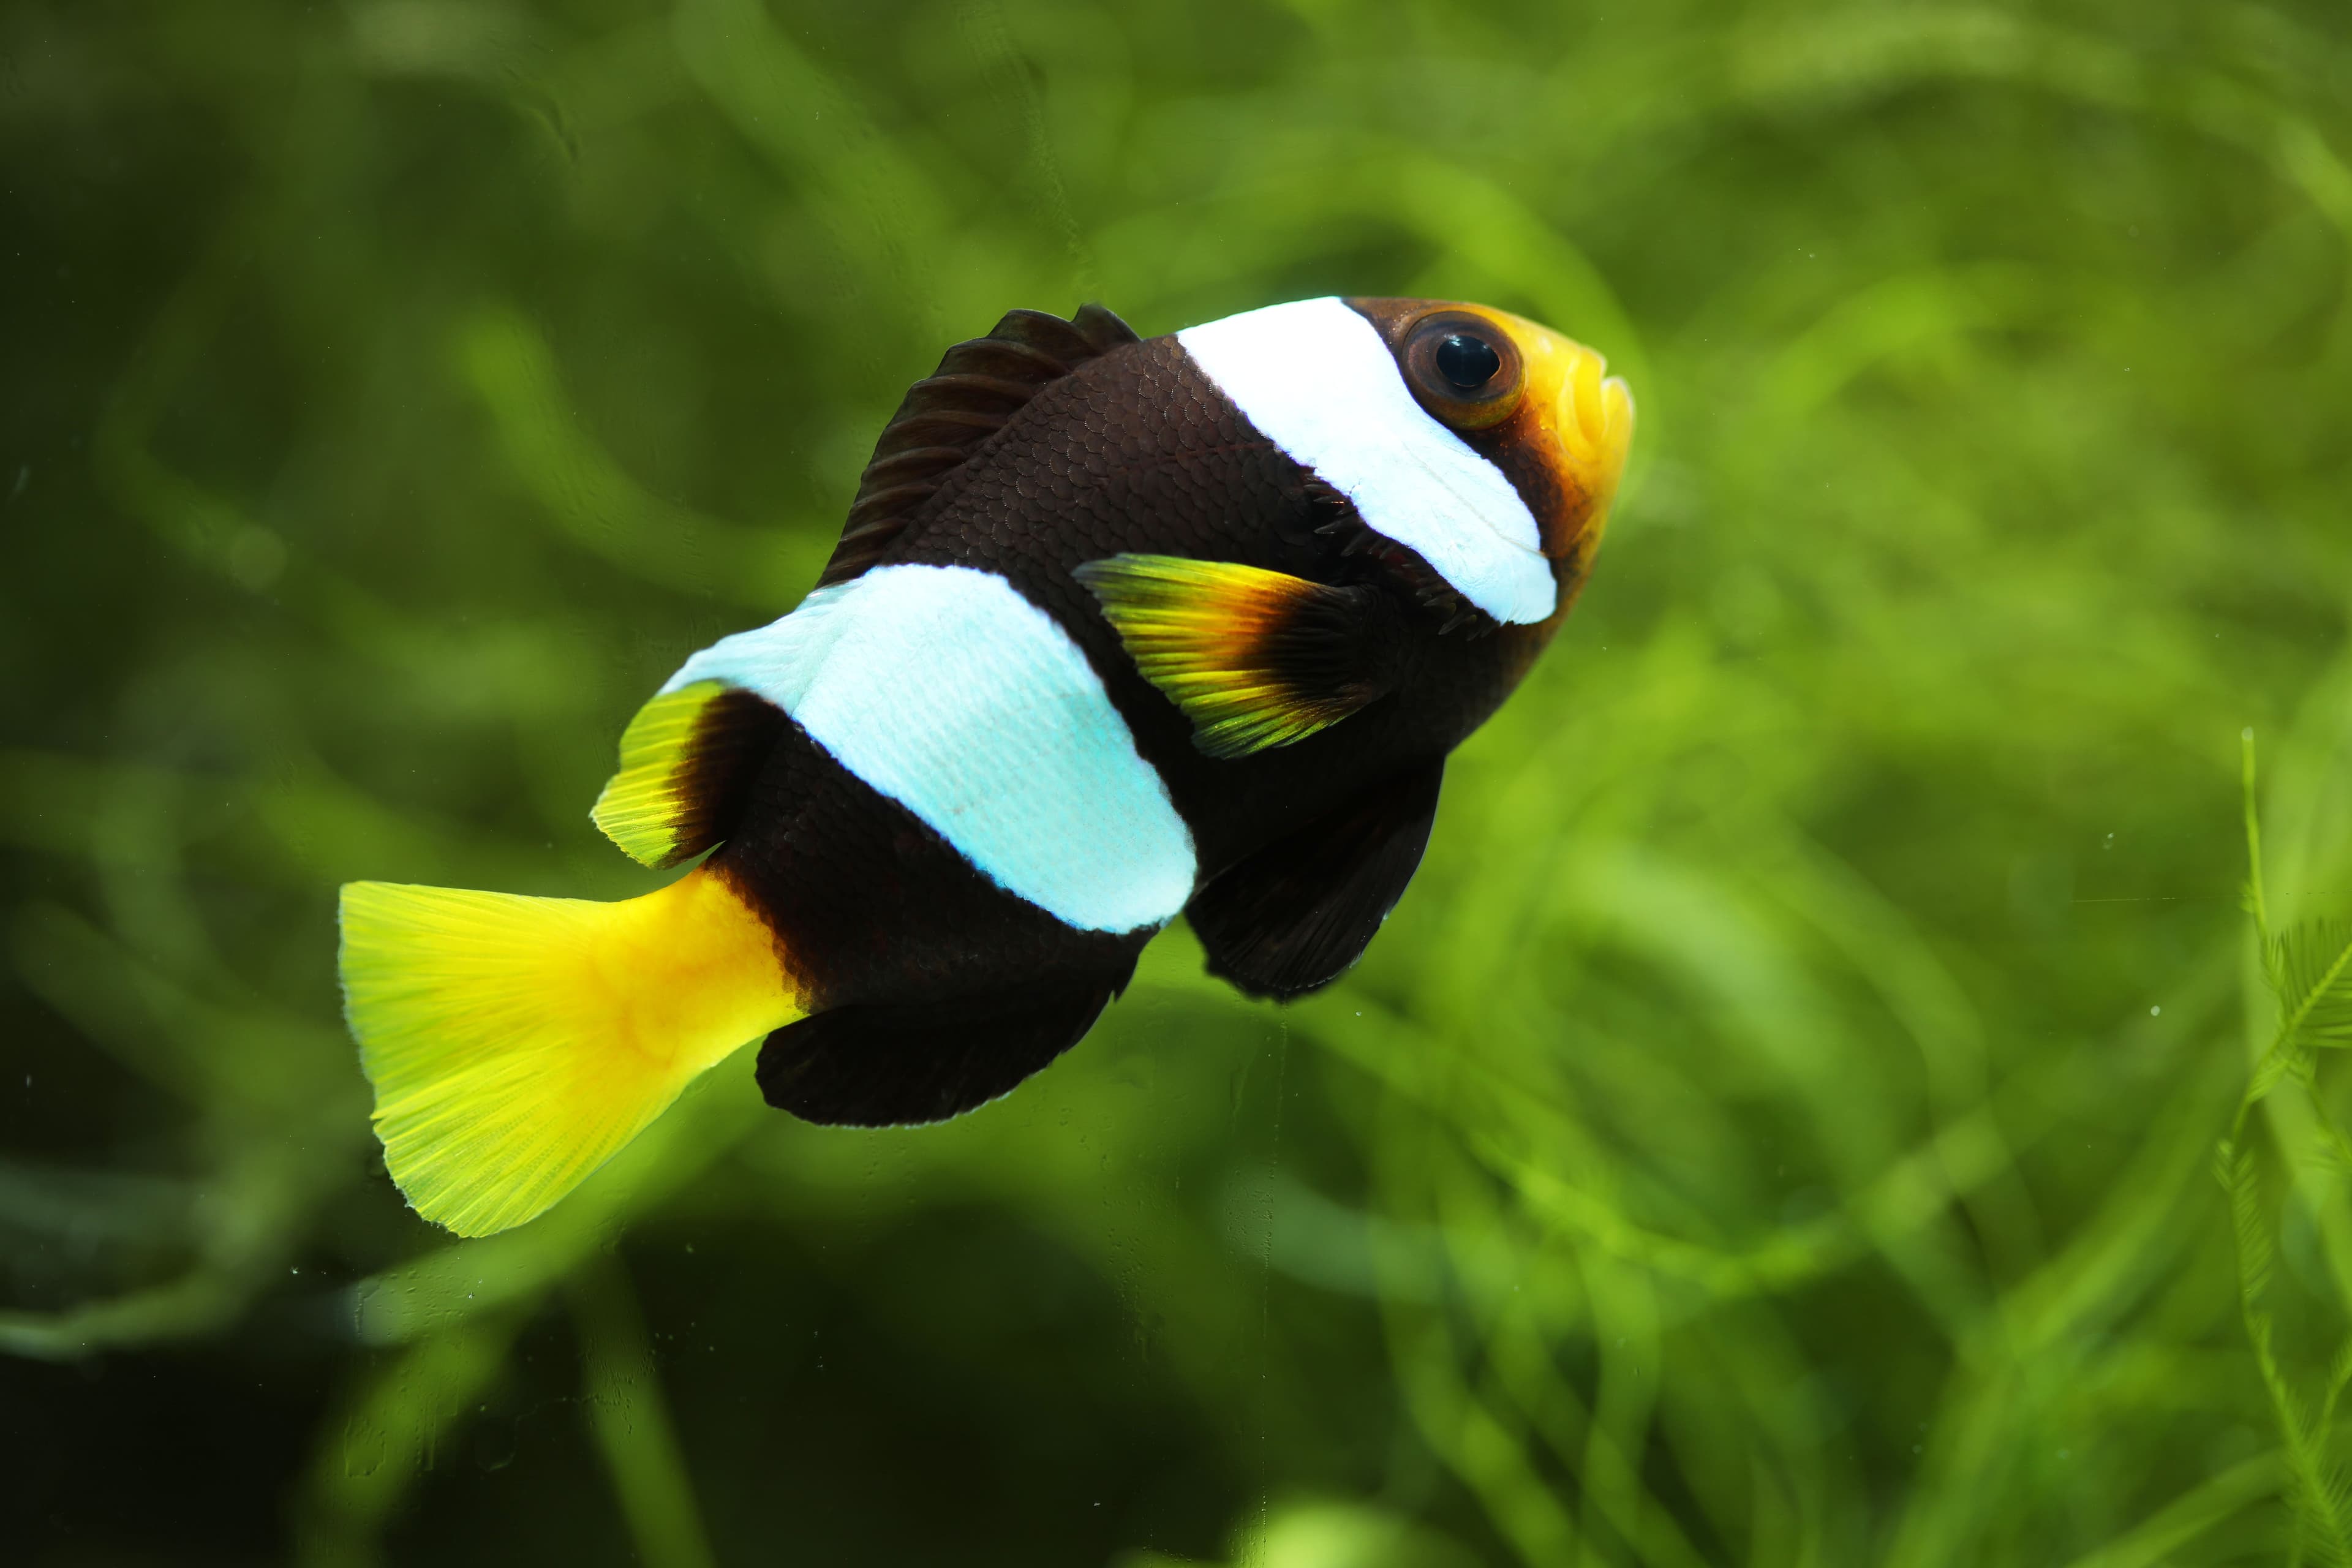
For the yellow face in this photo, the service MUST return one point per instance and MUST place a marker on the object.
(1580, 419)
(1540, 407)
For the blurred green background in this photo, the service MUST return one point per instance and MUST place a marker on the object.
(1826, 1098)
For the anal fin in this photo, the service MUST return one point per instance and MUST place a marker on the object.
(687, 760)
(899, 1064)
(1255, 659)
(1292, 917)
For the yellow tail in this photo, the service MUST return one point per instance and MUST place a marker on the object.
(516, 1044)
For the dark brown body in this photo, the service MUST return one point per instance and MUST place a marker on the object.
(1133, 450)
(1042, 448)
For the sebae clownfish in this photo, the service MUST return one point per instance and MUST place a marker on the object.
(1118, 629)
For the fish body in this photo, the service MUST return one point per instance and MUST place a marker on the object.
(1118, 629)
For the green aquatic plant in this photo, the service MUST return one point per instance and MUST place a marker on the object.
(1778, 1127)
(2306, 968)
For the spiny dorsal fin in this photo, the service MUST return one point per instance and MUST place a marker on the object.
(1255, 659)
(978, 387)
(687, 760)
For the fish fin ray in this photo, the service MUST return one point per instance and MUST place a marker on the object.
(1255, 659)
(901, 1064)
(688, 760)
(1291, 918)
(516, 1044)
(946, 415)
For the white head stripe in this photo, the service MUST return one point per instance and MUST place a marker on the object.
(945, 689)
(1316, 381)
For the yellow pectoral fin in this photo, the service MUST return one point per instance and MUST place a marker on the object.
(1255, 659)
(516, 1044)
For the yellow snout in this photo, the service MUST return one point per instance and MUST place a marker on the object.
(1581, 419)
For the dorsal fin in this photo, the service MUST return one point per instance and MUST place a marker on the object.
(978, 387)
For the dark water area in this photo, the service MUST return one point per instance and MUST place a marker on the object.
(1854, 1078)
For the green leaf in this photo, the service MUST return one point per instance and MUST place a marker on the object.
(2310, 968)
(2254, 1237)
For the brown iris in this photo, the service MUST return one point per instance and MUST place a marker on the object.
(1462, 368)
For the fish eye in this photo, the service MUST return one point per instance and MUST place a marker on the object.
(1462, 368)
(1468, 361)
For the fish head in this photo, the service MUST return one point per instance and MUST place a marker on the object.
(1541, 406)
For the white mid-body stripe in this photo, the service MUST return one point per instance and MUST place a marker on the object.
(945, 689)
(1316, 379)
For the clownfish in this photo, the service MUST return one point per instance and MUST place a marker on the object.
(1116, 629)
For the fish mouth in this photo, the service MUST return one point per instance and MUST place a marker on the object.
(1584, 427)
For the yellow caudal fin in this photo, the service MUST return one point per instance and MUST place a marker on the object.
(516, 1044)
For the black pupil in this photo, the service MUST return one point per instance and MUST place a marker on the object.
(1468, 363)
